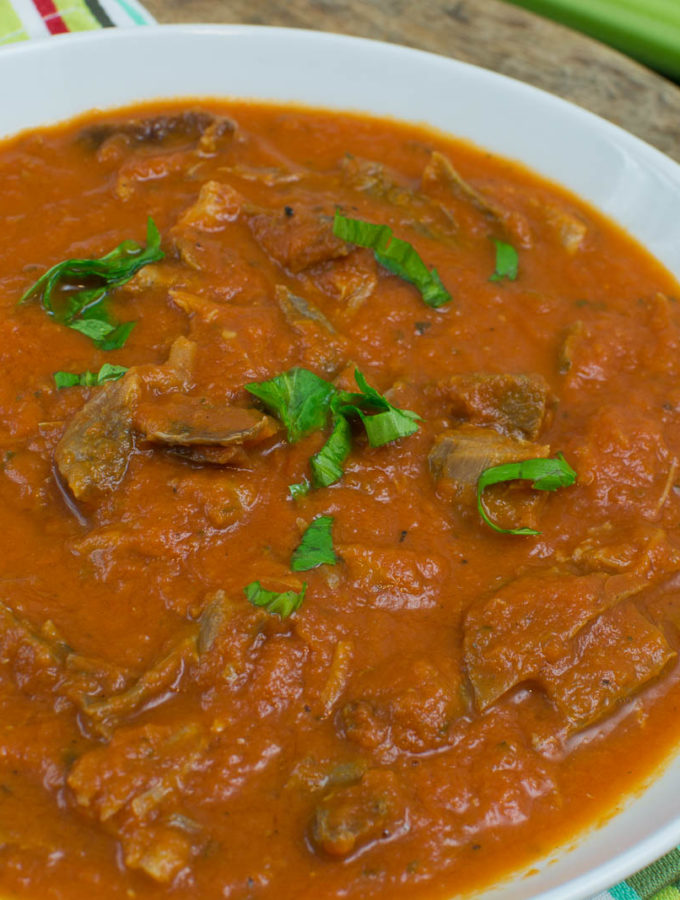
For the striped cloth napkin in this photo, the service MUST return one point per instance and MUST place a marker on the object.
(24, 19)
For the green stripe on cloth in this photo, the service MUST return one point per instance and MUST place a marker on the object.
(134, 13)
(11, 26)
(668, 893)
(659, 875)
(76, 15)
(624, 892)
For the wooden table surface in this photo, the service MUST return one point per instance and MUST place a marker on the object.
(489, 33)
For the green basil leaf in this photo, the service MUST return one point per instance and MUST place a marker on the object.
(107, 372)
(396, 255)
(66, 379)
(507, 261)
(78, 302)
(316, 547)
(388, 426)
(299, 490)
(389, 422)
(92, 328)
(299, 398)
(281, 604)
(328, 464)
(545, 475)
(115, 339)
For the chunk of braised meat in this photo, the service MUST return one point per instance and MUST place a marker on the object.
(549, 628)
(192, 124)
(351, 817)
(462, 454)
(424, 214)
(200, 431)
(405, 703)
(440, 173)
(300, 240)
(514, 404)
(318, 342)
(93, 454)
(216, 205)
(607, 664)
(133, 787)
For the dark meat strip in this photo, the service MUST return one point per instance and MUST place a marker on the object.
(515, 404)
(525, 626)
(200, 432)
(607, 664)
(441, 172)
(300, 240)
(191, 125)
(93, 454)
(349, 817)
(462, 454)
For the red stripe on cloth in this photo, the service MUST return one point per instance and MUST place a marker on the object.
(51, 17)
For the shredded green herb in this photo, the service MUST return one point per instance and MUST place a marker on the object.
(396, 255)
(507, 261)
(280, 604)
(316, 547)
(299, 490)
(545, 475)
(73, 291)
(299, 398)
(107, 372)
(304, 402)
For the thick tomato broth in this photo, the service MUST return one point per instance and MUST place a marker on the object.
(441, 708)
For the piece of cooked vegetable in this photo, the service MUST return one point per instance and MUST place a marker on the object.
(108, 372)
(282, 604)
(78, 287)
(396, 255)
(299, 398)
(507, 261)
(545, 475)
(316, 547)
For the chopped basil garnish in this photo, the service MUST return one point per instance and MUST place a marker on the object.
(387, 424)
(84, 283)
(545, 475)
(299, 490)
(299, 398)
(316, 547)
(304, 402)
(89, 379)
(507, 261)
(396, 255)
(281, 604)
(327, 465)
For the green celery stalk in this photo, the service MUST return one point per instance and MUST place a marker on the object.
(648, 30)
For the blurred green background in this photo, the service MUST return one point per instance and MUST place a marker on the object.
(648, 30)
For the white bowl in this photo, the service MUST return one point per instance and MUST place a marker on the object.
(638, 187)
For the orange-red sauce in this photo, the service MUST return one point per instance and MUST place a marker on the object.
(349, 750)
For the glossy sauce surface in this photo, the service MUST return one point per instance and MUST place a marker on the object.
(442, 706)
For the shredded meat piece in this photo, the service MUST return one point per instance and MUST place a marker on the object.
(348, 818)
(93, 454)
(514, 404)
(300, 240)
(192, 125)
(525, 628)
